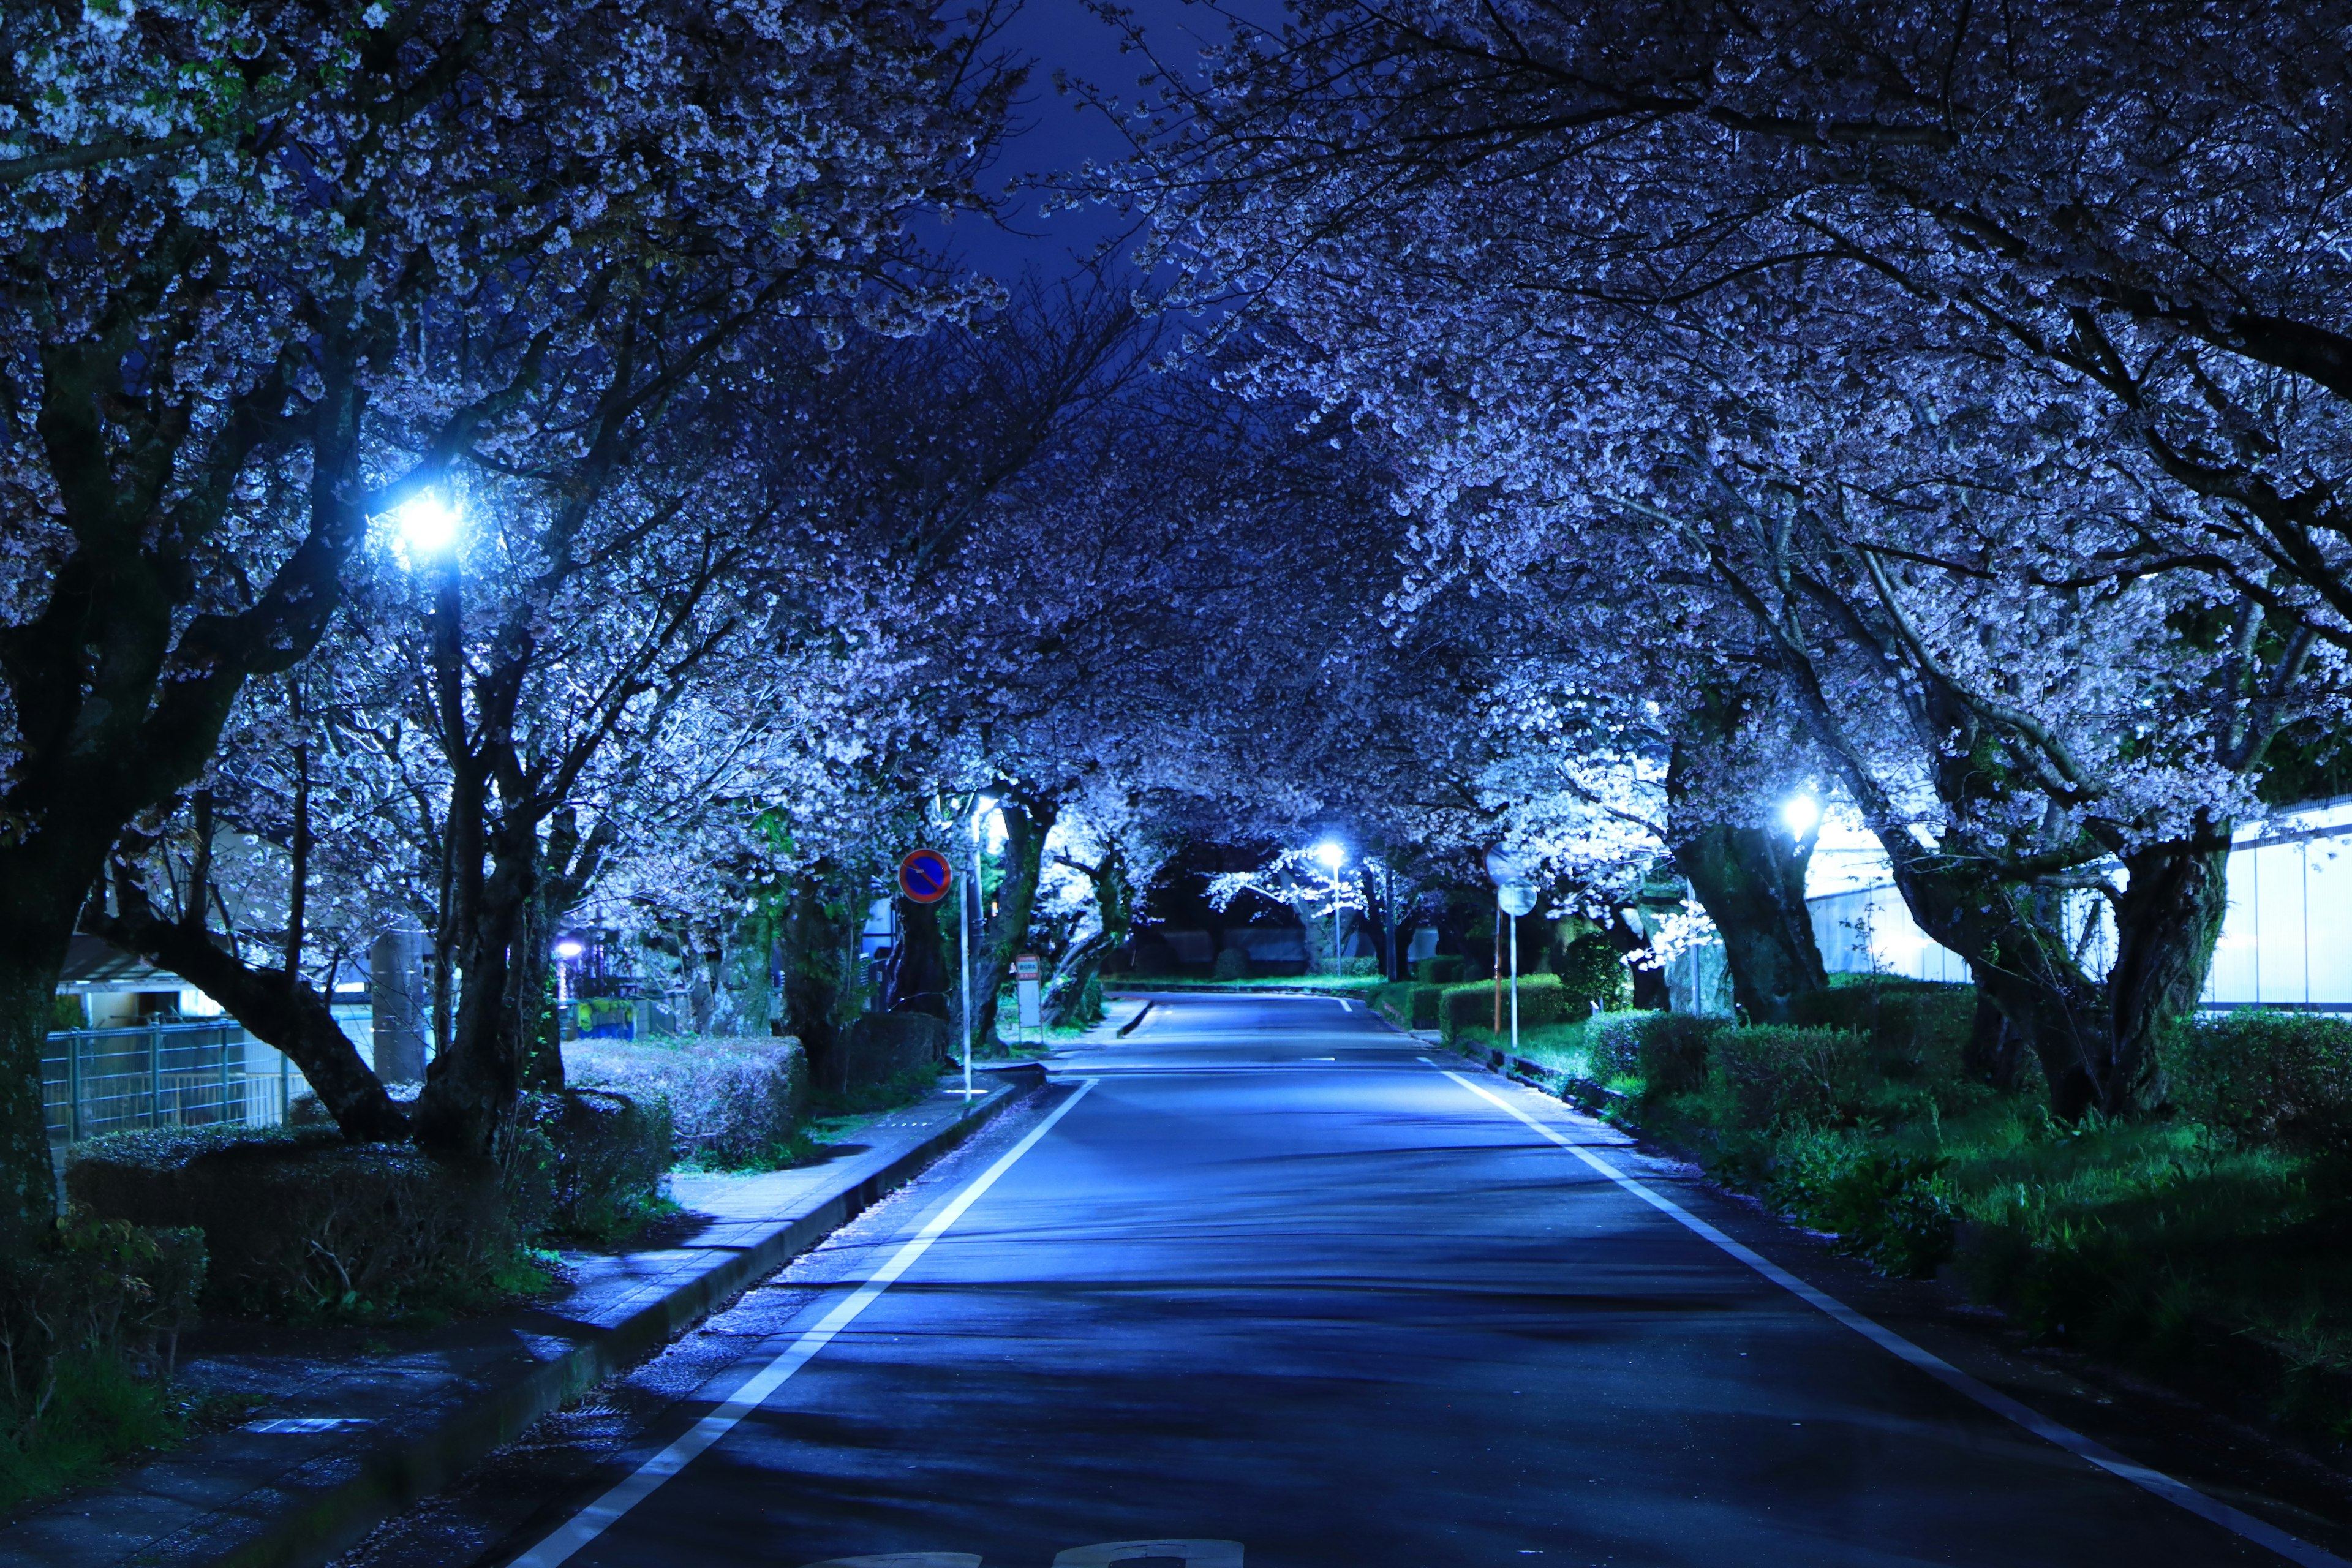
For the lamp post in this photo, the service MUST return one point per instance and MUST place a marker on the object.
(1333, 857)
(427, 528)
(969, 912)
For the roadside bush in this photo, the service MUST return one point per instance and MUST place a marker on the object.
(1443, 970)
(729, 1101)
(1407, 1003)
(1232, 963)
(1915, 1028)
(1591, 975)
(89, 1326)
(298, 1224)
(1361, 967)
(1780, 1077)
(1472, 1006)
(607, 1157)
(1667, 1051)
(1883, 1205)
(2267, 1077)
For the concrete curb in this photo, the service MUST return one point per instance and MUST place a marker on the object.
(299, 1525)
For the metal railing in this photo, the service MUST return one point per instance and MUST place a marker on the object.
(161, 1074)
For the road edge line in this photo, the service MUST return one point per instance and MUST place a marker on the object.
(583, 1528)
(2294, 1549)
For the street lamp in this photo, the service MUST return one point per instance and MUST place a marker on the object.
(981, 805)
(427, 526)
(565, 951)
(1333, 854)
(1801, 814)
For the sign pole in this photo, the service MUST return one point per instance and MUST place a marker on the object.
(1515, 984)
(964, 919)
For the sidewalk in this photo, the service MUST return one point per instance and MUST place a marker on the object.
(353, 1424)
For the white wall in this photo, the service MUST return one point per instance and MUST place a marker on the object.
(2286, 941)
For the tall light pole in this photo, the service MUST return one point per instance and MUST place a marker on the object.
(969, 912)
(1333, 857)
(427, 528)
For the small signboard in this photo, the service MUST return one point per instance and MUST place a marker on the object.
(1025, 981)
(1517, 898)
(925, 876)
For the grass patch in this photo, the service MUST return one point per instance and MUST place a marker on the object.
(2214, 1241)
(99, 1414)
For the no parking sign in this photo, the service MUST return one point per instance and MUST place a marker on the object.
(925, 876)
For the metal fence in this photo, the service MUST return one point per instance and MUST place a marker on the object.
(161, 1074)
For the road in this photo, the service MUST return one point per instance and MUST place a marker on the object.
(1271, 1277)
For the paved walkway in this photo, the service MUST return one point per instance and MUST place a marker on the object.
(348, 1424)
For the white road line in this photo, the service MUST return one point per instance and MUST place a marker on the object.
(601, 1515)
(2293, 1548)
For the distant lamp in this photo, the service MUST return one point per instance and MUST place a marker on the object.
(1801, 814)
(568, 948)
(427, 525)
(1333, 855)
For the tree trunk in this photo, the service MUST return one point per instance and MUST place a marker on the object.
(32, 955)
(471, 1089)
(1027, 820)
(2167, 921)
(1994, 1054)
(1649, 984)
(815, 930)
(918, 981)
(2015, 941)
(1114, 911)
(1752, 883)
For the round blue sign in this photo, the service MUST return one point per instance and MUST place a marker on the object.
(925, 876)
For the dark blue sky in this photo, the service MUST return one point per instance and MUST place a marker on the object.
(1053, 133)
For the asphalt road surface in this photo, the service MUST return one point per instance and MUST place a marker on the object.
(1263, 1282)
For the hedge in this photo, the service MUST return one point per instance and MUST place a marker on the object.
(1472, 1005)
(2267, 1077)
(299, 1222)
(1915, 1027)
(732, 1101)
(1667, 1051)
(1407, 1003)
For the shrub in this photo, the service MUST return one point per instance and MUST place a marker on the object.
(96, 1287)
(1407, 1003)
(607, 1157)
(1780, 1076)
(1667, 1051)
(1887, 1206)
(1360, 967)
(1472, 1006)
(1232, 963)
(2265, 1077)
(1915, 1027)
(1592, 974)
(298, 1224)
(1443, 970)
(730, 1101)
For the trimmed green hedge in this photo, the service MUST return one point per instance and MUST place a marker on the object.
(1407, 1003)
(1445, 970)
(1916, 1027)
(1472, 1005)
(2267, 1077)
(301, 1224)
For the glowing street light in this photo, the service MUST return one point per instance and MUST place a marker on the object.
(427, 526)
(1333, 854)
(1801, 814)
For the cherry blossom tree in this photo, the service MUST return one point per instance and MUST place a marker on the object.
(274, 268)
